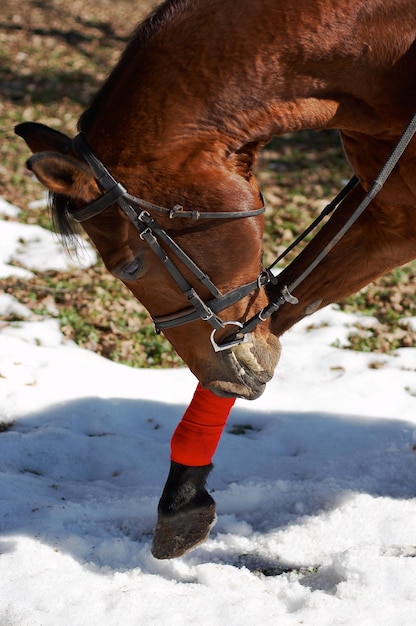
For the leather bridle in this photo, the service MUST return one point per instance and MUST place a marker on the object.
(139, 212)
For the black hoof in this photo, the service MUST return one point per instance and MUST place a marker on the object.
(186, 512)
(176, 534)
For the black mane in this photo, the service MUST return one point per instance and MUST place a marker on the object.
(60, 208)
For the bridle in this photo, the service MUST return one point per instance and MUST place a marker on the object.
(140, 214)
(138, 211)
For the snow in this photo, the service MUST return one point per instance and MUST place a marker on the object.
(316, 499)
(34, 248)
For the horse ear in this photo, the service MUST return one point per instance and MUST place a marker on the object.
(64, 174)
(40, 138)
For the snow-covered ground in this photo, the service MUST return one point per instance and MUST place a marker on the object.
(316, 499)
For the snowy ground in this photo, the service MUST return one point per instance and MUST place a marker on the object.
(316, 500)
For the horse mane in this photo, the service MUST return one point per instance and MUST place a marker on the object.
(67, 228)
(144, 32)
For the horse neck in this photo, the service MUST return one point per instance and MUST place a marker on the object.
(302, 66)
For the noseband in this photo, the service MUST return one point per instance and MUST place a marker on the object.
(139, 212)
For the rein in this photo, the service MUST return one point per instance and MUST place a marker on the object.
(138, 211)
(375, 188)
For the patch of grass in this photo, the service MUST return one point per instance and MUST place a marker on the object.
(381, 339)
(242, 429)
(97, 312)
(5, 426)
(389, 299)
(299, 174)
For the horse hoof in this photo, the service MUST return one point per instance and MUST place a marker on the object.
(180, 532)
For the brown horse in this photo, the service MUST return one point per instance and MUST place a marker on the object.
(201, 87)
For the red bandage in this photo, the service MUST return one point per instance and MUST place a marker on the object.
(198, 433)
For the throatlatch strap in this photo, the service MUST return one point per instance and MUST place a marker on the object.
(197, 435)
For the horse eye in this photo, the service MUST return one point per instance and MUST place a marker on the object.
(128, 271)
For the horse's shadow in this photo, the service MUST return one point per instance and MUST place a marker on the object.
(85, 477)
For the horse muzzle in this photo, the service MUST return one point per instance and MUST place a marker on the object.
(246, 368)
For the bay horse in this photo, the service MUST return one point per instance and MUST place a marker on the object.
(200, 88)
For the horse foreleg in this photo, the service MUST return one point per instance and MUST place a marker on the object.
(186, 511)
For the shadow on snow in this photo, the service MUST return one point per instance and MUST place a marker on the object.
(85, 476)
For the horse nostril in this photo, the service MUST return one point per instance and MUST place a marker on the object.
(128, 271)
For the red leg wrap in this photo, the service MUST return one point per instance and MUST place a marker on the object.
(198, 433)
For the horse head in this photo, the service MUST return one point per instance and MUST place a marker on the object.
(228, 251)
